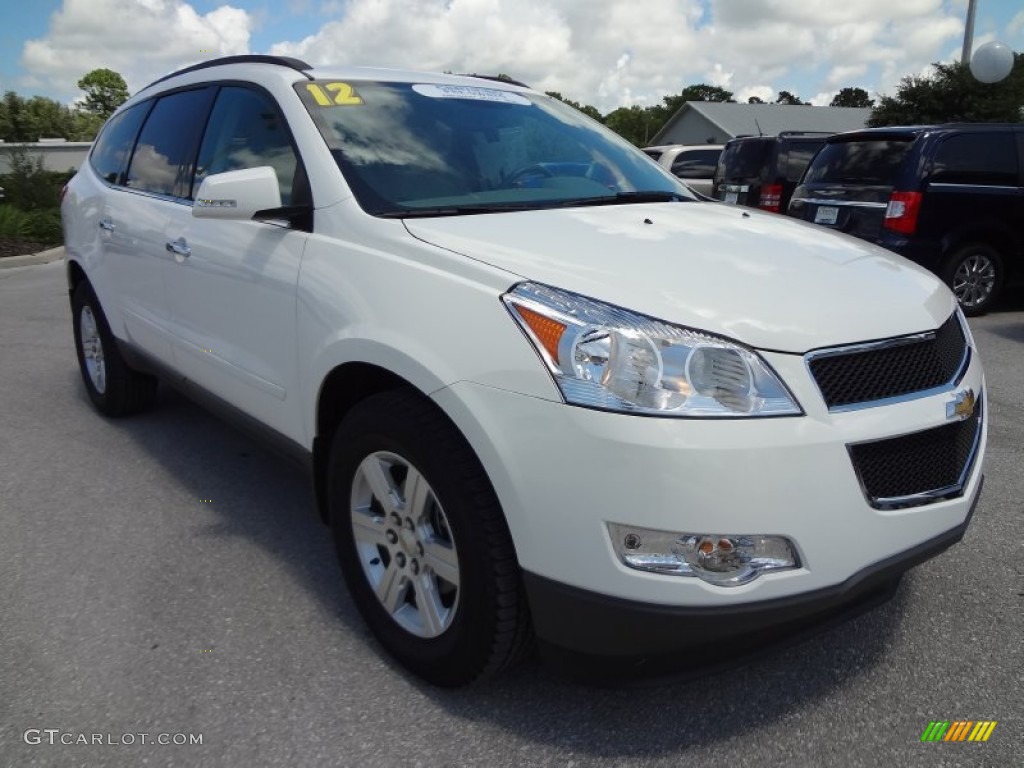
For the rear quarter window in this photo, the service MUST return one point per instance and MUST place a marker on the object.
(976, 158)
(697, 164)
(110, 155)
(858, 162)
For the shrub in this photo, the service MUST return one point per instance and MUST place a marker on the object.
(28, 185)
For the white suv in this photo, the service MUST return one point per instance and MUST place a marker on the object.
(544, 392)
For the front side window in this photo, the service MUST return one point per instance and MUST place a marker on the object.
(110, 155)
(428, 149)
(163, 157)
(246, 131)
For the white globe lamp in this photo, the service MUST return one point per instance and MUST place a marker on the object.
(991, 62)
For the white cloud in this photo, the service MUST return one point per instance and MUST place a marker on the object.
(140, 39)
(607, 53)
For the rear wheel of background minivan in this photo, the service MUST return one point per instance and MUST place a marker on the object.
(975, 274)
(423, 543)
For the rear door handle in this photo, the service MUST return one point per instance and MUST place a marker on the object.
(106, 224)
(179, 248)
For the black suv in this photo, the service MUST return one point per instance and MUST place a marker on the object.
(950, 197)
(763, 171)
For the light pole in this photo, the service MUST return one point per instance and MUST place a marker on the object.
(965, 54)
(993, 61)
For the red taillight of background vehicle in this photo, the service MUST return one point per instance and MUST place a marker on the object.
(771, 198)
(901, 213)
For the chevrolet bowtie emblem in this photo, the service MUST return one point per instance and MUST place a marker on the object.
(962, 406)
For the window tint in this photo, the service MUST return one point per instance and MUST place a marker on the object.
(162, 162)
(110, 155)
(858, 162)
(696, 164)
(246, 131)
(976, 158)
(745, 158)
(798, 156)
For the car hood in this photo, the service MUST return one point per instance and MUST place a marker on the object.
(763, 279)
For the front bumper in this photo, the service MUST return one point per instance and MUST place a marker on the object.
(639, 639)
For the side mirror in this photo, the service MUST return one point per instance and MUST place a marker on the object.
(237, 194)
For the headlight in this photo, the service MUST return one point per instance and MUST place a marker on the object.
(605, 357)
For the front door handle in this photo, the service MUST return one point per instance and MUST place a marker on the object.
(106, 224)
(179, 248)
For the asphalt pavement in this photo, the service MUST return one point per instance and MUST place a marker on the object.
(164, 578)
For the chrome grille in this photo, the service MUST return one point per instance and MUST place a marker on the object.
(856, 375)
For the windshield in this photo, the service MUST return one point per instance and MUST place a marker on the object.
(418, 149)
(858, 162)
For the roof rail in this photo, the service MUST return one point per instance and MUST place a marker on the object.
(249, 58)
(806, 133)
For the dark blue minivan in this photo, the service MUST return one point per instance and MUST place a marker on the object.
(950, 197)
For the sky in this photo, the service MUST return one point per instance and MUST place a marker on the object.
(608, 53)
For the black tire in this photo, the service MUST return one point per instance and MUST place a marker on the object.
(480, 627)
(975, 274)
(114, 388)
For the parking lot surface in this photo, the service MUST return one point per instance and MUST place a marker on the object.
(165, 575)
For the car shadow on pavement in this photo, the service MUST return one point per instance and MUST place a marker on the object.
(268, 501)
(258, 495)
(661, 718)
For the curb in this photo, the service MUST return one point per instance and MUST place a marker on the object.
(43, 257)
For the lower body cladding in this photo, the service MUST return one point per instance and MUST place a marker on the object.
(570, 479)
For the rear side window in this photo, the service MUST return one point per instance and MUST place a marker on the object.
(654, 153)
(697, 164)
(858, 162)
(976, 158)
(745, 159)
(246, 131)
(114, 146)
(162, 162)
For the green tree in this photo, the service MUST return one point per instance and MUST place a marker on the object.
(852, 97)
(755, 100)
(633, 124)
(705, 92)
(105, 90)
(785, 97)
(586, 109)
(951, 94)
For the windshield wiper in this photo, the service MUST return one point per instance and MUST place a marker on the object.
(651, 196)
(454, 210)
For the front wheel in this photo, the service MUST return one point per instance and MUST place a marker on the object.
(975, 275)
(423, 543)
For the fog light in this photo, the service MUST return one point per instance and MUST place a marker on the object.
(726, 560)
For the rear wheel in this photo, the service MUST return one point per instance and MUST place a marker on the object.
(114, 388)
(423, 543)
(975, 275)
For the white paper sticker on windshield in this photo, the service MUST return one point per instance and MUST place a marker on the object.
(470, 92)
